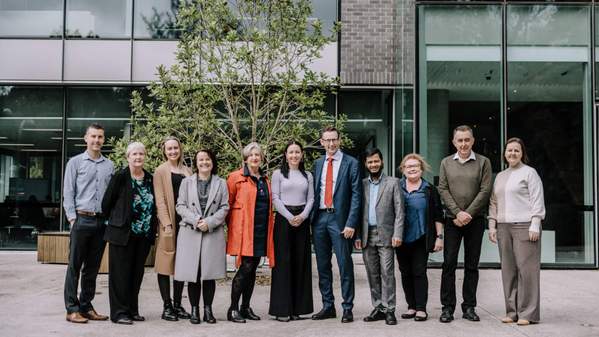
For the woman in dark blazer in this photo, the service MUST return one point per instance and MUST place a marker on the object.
(250, 229)
(423, 233)
(293, 197)
(131, 231)
(203, 204)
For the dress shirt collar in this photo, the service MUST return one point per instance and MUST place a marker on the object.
(246, 171)
(86, 156)
(336, 157)
(472, 156)
(377, 181)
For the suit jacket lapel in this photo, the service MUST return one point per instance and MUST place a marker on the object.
(212, 193)
(366, 187)
(341, 173)
(382, 185)
(317, 174)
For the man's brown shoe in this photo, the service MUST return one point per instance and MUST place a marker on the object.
(92, 315)
(76, 317)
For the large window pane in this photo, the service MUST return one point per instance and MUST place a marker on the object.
(99, 19)
(30, 163)
(368, 125)
(460, 79)
(156, 19)
(326, 12)
(108, 106)
(34, 18)
(549, 107)
(460, 83)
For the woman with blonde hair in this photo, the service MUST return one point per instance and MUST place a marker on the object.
(423, 233)
(167, 180)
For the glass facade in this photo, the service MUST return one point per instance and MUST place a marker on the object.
(30, 163)
(99, 19)
(516, 70)
(31, 18)
(31, 151)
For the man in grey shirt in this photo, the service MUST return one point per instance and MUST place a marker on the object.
(465, 181)
(86, 177)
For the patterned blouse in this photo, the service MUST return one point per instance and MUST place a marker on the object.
(143, 204)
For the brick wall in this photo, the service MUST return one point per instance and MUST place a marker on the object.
(377, 42)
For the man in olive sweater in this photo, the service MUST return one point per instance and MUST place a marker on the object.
(465, 184)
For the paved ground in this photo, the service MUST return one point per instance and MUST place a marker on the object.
(31, 304)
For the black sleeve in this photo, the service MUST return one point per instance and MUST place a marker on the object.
(437, 206)
(112, 193)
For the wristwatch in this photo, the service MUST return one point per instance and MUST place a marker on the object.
(440, 236)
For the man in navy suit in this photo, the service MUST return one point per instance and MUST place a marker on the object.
(335, 217)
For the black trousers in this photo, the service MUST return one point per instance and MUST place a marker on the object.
(244, 281)
(412, 259)
(472, 234)
(164, 282)
(291, 287)
(126, 272)
(85, 255)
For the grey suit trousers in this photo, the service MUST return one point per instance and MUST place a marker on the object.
(380, 269)
(520, 271)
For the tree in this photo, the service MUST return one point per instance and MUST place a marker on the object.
(242, 75)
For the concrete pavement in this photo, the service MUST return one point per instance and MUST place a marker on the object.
(31, 304)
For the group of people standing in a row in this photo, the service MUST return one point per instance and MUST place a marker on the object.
(332, 208)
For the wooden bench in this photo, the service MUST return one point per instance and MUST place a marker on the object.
(53, 247)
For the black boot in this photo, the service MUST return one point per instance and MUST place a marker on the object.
(208, 315)
(248, 313)
(168, 313)
(234, 316)
(195, 315)
(181, 313)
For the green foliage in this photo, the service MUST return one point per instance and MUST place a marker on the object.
(242, 75)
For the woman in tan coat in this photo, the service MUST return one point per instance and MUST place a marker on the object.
(167, 180)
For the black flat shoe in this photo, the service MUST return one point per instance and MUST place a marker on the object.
(124, 320)
(408, 316)
(375, 315)
(195, 315)
(137, 318)
(348, 316)
(390, 318)
(168, 313)
(248, 313)
(446, 316)
(325, 313)
(234, 316)
(471, 315)
(208, 315)
(283, 318)
(181, 313)
(421, 318)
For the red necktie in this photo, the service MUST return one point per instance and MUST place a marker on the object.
(328, 188)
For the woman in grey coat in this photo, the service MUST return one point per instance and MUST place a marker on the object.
(203, 204)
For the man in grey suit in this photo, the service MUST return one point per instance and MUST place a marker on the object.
(380, 233)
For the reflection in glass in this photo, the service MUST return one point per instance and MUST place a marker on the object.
(460, 80)
(156, 19)
(30, 163)
(368, 125)
(404, 126)
(31, 18)
(99, 19)
(108, 106)
(549, 107)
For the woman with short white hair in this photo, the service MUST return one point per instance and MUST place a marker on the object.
(250, 229)
(131, 230)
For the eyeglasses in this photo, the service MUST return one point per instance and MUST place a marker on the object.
(411, 166)
(332, 140)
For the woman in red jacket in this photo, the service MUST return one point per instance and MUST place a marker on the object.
(250, 229)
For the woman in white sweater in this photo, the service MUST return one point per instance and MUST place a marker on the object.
(516, 210)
